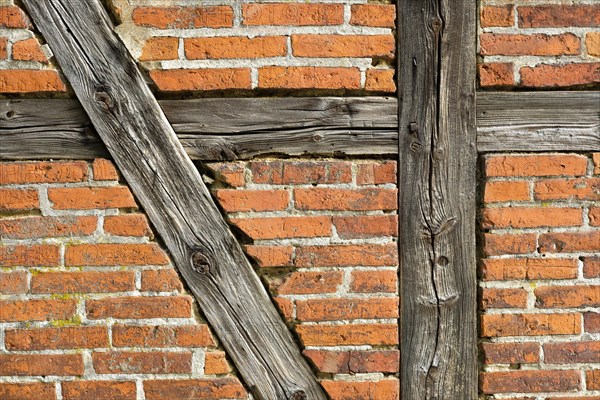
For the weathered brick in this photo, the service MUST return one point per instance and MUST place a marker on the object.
(127, 225)
(494, 74)
(497, 325)
(557, 15)
(284, 227)
(13, 282)
(104, 170)
(19, 200)
(300, 172)
(86, 198)
(346, 309)
(380, 80)
(594, 216)
(568, 189)
(569, 242)
(376, 15)
(30, 390)
(160, 49)
(531, 217)
(99, 390)
(42, 172)
(231, 174)
(173, 80)
(271, 256)
(368, 255)
(83, 282)
(385, 389)
(285, 307)
(562, 75)
(129, 362)
(567, 296)
(529, 381)
(348, 335)
(310, 282)
(36, 310)
(592, 43)
(162, 336)
(536, 165)
(591, 322)
(252, 200)
(161, 280)
(219, 388)
(41, 364)
(592, 378)
(354, 361)
(365, 226)
(322, 45)
(346, 199)
(235, 47)
(497, 16)
(498, 244)
(374, 281)
(215, 363)
(109, 254)
(506, 191)
(591, 267)
(30, 81)
(140, 307)
(534, 44)
(528, 268)
(28, 50)
(46, 227)
(13, 17)
(503, 298)
(184, 17)
(295, 14)
(572, 353)
(510, 353)
(596, 160)
(277, 77)
(84, 337)
(37, 255)
(3, 50)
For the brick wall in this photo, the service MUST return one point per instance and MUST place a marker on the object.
(540, 286)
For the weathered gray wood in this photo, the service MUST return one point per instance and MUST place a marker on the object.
(538, 121)
(140, 139)
(437, 167)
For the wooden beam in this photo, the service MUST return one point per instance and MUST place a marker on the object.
(437, 170)
(139, 137)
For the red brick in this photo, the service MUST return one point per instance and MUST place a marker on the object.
(529, 381)
(86, 198)
(235, 47)
(13, 282)
(285, 307)
(546, 16)
(30, 81)
(104, 170)
(129, 362)
(498, 325)
(30, 390)
(3, 51)
(252, 200)
(36, 310)
(592, 43)
(348, 335)
(271, 256)
(376, 15)
(346, 309)
(13, 17)
(593, 379)
(368, 255)
(536, 165)
(36, 255)
(591, 267)
(161, 280)
(346, 199)
(216, 364)
(506, 191)
(220, 388)
(503, 298)
(380, 80)
(28, 50)
(310, 282)
(568, 189)
(232, 174)
(591, 322)
(510, 353)
(492, 16)
(567, 296)
(562, 75)
(296, 14)
(302, 172)
(594, 216)
(18, 200)
(530, 217)
(572, 353)
(596, 160)
(46, 227)
(83, 282)
(99, 390)
(276, 77)
(184, 17)
(322, 45)
(140, 307)
(529, 268)
(128, 225)
(376, 173)
(174, 80)
(160, 49)
(111, 254)
(386, 389)
(41, 364)
(365, 226)
(496, 74)
(354, 361)
(42, 172)
(284, 227)
(374, 281)
(498, 244)
(534, 44)
(569, 242)
(162, 336)
(85, 337)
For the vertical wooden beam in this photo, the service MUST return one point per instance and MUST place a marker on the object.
(437, 178)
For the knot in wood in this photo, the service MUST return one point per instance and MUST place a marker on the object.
(200, 263)
(436, 23)
(103, 98)
(10, 114)
(442, 261)
(317, 137)
(298, 395)
(414, 127)
(415, 146)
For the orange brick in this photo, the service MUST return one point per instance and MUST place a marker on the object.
(162, 336)
(346, 309)
(86, 198)
(216, 364)
(596, 160)
(36, 255)
(343, 45)
(510, 353)
(161, 280)
(46, 227)
(496, 74)
(174, 80)
(28, 50)
(568, 189)
(99, 390)
(538, 165)
(221, 388)
(3, 51)
(346, 199)
(546, 16)
(385, 389)
(160, 48)
(127, 225)
(569, 242)
(235, 47)
(273, 77)
(252, 200)
(140, 307)
(492, 16)
(562, 75)
(529, 381)
(594, 216)
(498, 325)
(104, 170)
(353, 362)
(530, 217)
(376, 15)
(591, 267)
(300, 172)
(534, 44)
(368, 255)
(296, 14)
(365, 226)
(593, 379)
(284, 227)
(18, 200)
(528, 268)
(36, 310)
(231, 174)
(311, 282)
(591, 322)
(380, 80)
(495, 245)
(572, 353)
(41, 364)
(374, 281)
(376, 173)
(31, 390)
(506, 191)
(30, 81)
(13, 282)
(285, 307)
(348, 335)
(13, 17)
(42, 172)
(592, 43)
(110, 254)
(85, 337)
(83, 282)
(271, 256)
(567, 296)
(503, 298)
(129, 362)
(184, 17)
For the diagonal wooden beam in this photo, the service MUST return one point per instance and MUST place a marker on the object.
(131, 124)
(437, 171)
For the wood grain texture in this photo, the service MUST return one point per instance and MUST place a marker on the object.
(437, 167)
(140, 139)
